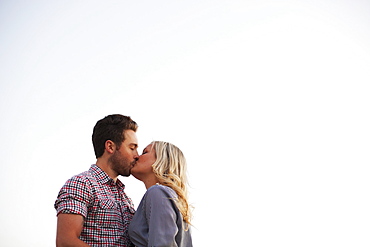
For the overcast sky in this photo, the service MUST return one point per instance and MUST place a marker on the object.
(269, 100)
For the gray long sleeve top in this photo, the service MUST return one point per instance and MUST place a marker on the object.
(158, 222)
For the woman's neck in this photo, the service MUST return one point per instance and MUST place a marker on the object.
(150, 181)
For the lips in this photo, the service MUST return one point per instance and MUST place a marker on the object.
(133, 163)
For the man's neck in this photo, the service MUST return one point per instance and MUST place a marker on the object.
(105, 166)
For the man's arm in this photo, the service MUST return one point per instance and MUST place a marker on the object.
(69, 228)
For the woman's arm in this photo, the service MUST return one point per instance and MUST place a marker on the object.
(161, 215)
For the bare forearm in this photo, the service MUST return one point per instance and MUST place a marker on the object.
(69, 228)
(70, 243)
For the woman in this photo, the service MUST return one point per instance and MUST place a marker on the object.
(163, 216)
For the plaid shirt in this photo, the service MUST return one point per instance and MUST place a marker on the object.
(106, 209)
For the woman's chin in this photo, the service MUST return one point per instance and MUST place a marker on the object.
(135, 174)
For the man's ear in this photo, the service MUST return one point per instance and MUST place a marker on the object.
(110, 147)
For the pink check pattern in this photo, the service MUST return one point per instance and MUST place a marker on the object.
(106, 208)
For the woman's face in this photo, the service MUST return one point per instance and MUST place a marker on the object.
(144, 163)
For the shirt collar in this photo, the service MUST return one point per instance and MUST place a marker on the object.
(102, 176)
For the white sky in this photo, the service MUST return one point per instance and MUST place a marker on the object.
(269, 101)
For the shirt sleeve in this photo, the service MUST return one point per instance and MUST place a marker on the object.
(161, 217)
(74, 197)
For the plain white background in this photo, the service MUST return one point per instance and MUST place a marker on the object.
(269, 101)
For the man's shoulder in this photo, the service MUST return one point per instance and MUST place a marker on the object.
(83, 177)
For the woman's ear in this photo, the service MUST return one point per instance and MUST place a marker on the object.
(110, 146)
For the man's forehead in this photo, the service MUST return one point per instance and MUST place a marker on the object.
(130, 137)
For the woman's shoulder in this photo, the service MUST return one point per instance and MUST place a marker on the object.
(160, 190)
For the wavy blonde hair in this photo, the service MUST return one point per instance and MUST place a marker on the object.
(170, 170)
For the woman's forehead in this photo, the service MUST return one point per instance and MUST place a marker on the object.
(149, 147)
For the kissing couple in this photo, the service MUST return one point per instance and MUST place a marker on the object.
(94, 210)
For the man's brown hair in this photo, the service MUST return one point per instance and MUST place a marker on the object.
(112, 128)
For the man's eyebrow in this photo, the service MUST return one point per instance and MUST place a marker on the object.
(134, 144)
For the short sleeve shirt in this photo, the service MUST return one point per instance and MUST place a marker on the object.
(106, 209)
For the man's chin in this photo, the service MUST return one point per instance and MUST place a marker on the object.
(126, 174)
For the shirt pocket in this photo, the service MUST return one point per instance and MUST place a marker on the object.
(107, 213)
(106, 203)
(128, 205)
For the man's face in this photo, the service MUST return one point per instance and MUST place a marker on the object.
(124, 158)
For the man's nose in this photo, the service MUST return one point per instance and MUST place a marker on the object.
(136, 156)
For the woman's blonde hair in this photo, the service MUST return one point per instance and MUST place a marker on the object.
(170, 170)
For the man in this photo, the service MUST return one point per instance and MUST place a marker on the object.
(92, 207)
